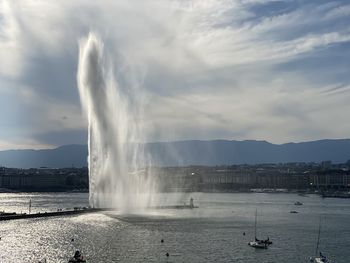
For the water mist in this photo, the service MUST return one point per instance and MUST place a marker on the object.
(116, 178)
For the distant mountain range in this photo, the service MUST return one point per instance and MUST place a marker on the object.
(194, 152)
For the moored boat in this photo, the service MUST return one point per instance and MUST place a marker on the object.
(257, 243)
(320, 257)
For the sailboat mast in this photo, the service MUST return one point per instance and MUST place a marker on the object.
(318, 237)
(30, 205)
(256, 215)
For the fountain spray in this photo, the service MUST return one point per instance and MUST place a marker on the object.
(116, 158)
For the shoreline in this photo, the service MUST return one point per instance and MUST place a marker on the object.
(325, 194)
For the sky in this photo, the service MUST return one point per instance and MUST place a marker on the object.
(205, 69)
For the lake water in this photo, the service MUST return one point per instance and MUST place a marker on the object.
(211, 233)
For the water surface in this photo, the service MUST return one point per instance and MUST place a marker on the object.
(211, 233)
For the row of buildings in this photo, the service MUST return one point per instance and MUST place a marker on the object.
(294, 176)
(242, 178)
(44, 179)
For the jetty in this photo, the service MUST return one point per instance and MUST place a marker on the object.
(183, 206)
(79, 210)
(173, 207)
(13, 216)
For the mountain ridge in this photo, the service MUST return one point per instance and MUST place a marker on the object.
(192, 152)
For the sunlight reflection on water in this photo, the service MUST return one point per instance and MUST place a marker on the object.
(213, 232)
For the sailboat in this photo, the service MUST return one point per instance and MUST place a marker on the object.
(319, 258)
(258, 243)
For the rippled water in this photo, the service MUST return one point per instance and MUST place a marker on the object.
(211, 233)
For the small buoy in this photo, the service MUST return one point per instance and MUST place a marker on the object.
(162, 241)
(243, 233)
(167, 254)
(72, 239)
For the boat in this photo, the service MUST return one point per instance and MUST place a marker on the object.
(77, 258)
(298, 203)
(257, 243)
(265, 241)
(320, 257)
(293, 212)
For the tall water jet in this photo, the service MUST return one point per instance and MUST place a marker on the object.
(115, 158)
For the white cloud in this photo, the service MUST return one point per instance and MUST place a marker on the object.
(9, 35)
(337, 12)
(17, 145)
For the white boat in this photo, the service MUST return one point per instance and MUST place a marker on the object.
(320, 259)
(259, 243)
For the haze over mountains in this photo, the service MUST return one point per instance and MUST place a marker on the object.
(193, 152)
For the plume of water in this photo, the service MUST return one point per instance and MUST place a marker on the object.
(115, 158)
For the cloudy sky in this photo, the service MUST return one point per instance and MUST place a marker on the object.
(207, 69)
